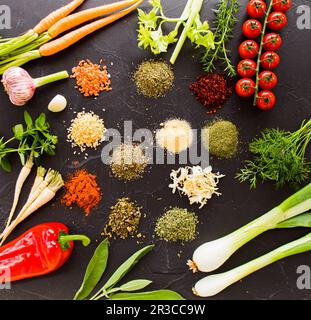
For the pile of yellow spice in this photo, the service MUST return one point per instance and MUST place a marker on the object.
(87, 130)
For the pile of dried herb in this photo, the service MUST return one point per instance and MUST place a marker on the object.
(123, 219)
(221, 138)
(128, 162)
(177, 224)
(153, 78)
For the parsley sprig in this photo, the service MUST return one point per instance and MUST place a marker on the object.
(150, 30)
(225, 20)
(279, 156)
(33, 138)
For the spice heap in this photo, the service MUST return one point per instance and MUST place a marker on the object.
(123, 219)
(221, 138)
(86, 130)
(211, 90)
(82, 190)
(198, 184)
(128, 162)
(175, 135)
(91, 78)
(153, 78)
(177, 224)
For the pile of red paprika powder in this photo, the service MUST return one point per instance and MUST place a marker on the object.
(212, 90)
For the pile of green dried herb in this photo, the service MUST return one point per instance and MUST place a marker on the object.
(128, 162)
(177, 224)
(221, 138)
(279, 157)
(153, 78)
(123, 220)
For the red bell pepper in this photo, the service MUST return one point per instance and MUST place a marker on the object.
(38, 251)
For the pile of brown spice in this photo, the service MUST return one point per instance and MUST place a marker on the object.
(82, 190)
(123, 220)
(91, 78)
(212, 90)
(128, 162)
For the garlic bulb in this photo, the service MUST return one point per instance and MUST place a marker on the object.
(57, 104)
(21, 87)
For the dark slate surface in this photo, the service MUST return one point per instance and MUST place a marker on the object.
(238, 205)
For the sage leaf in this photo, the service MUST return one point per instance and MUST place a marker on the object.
(151, 295)
(135, 285)
(126, 267)
(302, 220)
(94, 270)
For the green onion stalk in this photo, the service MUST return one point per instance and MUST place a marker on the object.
(211, 255)
(213, 284)
(7, 46)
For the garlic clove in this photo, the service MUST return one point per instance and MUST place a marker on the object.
(57, 104)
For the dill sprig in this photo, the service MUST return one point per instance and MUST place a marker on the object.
(225, 20)
(279, 156)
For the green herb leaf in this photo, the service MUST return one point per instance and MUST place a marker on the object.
(94, 270)
(135, 285)
(28, 119)
(226, 20)
(18, 131)
(41, 121)
(151, 295)
(5, 164)
(126, 267)
(303, 220)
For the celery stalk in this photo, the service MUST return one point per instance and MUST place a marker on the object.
(195, 8)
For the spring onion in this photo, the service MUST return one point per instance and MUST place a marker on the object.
(211, 255)
(213, 284)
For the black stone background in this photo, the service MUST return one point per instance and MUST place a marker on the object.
(237, 205)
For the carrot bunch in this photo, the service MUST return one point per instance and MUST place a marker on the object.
(42, 41)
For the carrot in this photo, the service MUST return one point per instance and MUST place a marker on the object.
(72, 37)
(44, 197)
(56, 15)
(83, 16)
(18, 187)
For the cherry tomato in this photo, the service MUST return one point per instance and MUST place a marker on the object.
(245, 87)
(267, 80)
(277, 20)
(270, 60)
(247, 68)
(272, 42)
(252, 28)
(282, 5)
(248, 49)
(256, 8)
(265, 100)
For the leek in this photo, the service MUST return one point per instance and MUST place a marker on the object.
(211, 255)
(213, 284)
